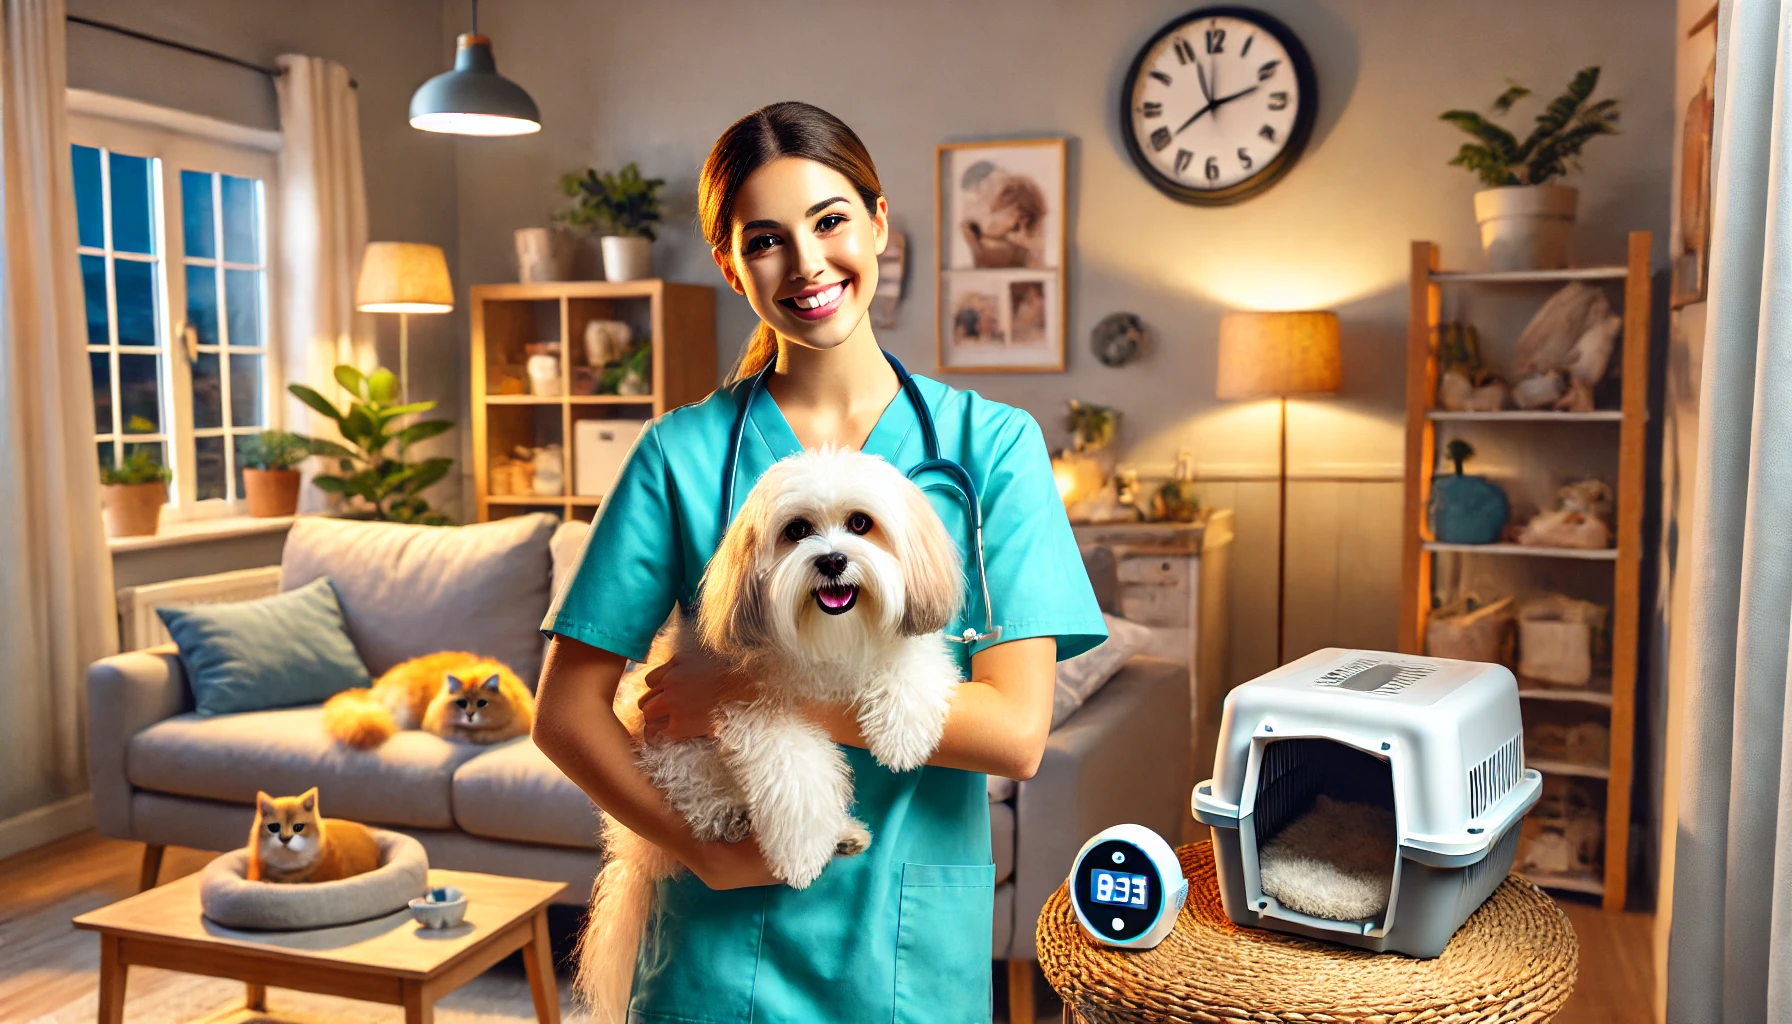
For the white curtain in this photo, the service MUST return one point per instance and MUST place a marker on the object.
(56, 602)
(1730, 943)
(322, 231)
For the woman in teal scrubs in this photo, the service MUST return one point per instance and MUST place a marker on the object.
(790, 202)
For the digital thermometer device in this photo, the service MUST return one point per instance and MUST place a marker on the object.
(1126, 887)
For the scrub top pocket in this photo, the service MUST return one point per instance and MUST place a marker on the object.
(943, 946)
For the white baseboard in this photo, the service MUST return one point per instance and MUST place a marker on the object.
(45, 824)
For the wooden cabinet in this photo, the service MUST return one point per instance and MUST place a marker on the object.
(677, 320)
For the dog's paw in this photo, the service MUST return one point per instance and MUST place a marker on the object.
(738, 827)
(856, 840)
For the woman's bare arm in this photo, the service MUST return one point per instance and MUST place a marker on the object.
(577, 728)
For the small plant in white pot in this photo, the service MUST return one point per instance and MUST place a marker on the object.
(133, 494)
(622, 209)
(270, 471)
(1524, 219)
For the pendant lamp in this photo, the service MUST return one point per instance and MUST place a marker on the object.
(474, 99)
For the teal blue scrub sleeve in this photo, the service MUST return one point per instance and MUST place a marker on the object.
(628, 575)
(1037, 582)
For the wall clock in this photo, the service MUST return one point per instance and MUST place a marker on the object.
(1218, 105)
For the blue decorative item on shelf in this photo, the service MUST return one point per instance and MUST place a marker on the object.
(1466, 509)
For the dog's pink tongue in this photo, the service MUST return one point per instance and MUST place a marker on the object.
(835, 597)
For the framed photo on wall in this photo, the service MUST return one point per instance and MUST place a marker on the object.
(1000, 256)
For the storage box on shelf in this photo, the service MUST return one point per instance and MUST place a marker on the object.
(1564, 724)
(534, 382)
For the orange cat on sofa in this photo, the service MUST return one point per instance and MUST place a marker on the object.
(291, 842)
(453, 694)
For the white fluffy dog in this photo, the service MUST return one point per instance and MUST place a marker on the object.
(833, 585)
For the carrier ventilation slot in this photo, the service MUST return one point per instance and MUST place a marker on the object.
(1494, 778)
(1371, 675)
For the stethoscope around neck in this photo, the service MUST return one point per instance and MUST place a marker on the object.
(959, 479)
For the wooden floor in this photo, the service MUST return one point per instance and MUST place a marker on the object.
(45, 963)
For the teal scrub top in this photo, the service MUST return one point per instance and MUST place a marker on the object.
(901, 932)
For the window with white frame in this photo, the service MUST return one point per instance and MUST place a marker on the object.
(174, 252)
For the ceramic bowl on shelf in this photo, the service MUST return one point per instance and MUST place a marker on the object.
(442, 907)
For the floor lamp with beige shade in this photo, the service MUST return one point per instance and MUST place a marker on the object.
(1276, 355)
(403, 278)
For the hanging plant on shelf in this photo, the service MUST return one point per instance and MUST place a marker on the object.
(389, 485)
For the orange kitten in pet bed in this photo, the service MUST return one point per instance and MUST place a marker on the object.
(453, 694)
(291, 842)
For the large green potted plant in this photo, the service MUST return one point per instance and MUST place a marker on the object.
(270, 471)
(1524, 219)
(623, 209)
(373, 466)
(133, 494)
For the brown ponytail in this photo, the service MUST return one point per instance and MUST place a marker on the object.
(777, 130)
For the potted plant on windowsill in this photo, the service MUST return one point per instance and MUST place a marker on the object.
(1524, 219)
(270, 471)
(622, 209)
(133, 494)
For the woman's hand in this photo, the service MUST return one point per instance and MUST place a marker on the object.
(731, 865)
(683, 694)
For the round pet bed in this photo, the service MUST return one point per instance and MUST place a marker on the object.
(232, 900)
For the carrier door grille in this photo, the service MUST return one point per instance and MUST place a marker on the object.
(1494, 778)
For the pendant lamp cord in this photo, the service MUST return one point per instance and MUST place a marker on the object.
(475, 17)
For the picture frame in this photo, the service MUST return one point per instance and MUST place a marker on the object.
(1001, 254)
(1691, 242)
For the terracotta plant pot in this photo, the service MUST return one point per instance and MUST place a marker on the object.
(1525, 227)
(272, 492)
(133, 510)
(627, 258)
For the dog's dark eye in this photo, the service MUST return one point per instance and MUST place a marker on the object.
(859, 523)
(797, 530)
(298, 826)
(274, 827)
(482, 703)
(461, 703)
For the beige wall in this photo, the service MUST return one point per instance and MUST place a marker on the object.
(655, 83)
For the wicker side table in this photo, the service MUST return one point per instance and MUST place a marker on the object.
(1513, 961)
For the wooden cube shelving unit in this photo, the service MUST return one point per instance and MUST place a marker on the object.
(679, 319)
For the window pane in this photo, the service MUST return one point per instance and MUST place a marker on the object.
(136, 298)
(208, 392)
(245, 390)
(90, 210)
(196, 213)
(93, 285)
(237, 443)
(101, 366)
(130, 204)
(208, 468)
(243, 290)
(242, 229)
(107, 461)
(202, 303)
(140, 393)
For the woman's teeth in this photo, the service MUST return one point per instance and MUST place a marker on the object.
(820, 298)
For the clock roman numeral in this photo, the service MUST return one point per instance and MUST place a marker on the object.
(1161, 77)
(1152, 109)
(1216, 40)
(1248, 40)
(1160, 139)
(1267, 132)
(1268, 70)
(1278, 101)
(1185, 52)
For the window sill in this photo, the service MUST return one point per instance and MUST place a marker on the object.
(199, 531)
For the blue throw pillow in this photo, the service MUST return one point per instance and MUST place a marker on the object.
(277, 652)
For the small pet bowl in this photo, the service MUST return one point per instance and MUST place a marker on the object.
(441, 907)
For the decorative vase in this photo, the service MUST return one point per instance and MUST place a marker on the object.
(543, 254)
(627, 257)
(1467, 510)
(1525, 227)
(271, 492)
(133, 510)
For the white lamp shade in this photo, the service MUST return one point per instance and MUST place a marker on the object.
(403, 277)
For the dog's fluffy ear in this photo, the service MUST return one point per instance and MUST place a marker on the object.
(731, 599)
(932, 577)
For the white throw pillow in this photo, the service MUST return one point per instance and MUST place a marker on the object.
(1081, 676)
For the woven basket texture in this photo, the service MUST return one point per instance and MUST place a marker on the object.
(1513, 961)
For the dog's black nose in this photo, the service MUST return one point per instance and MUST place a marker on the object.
(831, 564)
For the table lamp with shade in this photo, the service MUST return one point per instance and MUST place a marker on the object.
(403, 278)
(1276, 355)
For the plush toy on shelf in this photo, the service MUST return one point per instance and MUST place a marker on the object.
(1466, 509)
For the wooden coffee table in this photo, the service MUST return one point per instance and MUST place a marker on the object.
(389, 959)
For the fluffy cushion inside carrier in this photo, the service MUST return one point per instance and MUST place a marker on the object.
(1336, 861)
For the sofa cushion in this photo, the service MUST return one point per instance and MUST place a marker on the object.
(514, 792)
(407, 780)
(413, 590)
(1001, 839)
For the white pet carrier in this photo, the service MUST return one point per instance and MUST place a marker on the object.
(1420, 757)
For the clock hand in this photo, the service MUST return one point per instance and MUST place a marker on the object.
(1227, 99)
(1201, 75)
(1210, 105)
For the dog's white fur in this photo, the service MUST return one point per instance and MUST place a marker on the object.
(769, 771)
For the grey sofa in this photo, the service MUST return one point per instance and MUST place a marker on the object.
(162, 775)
